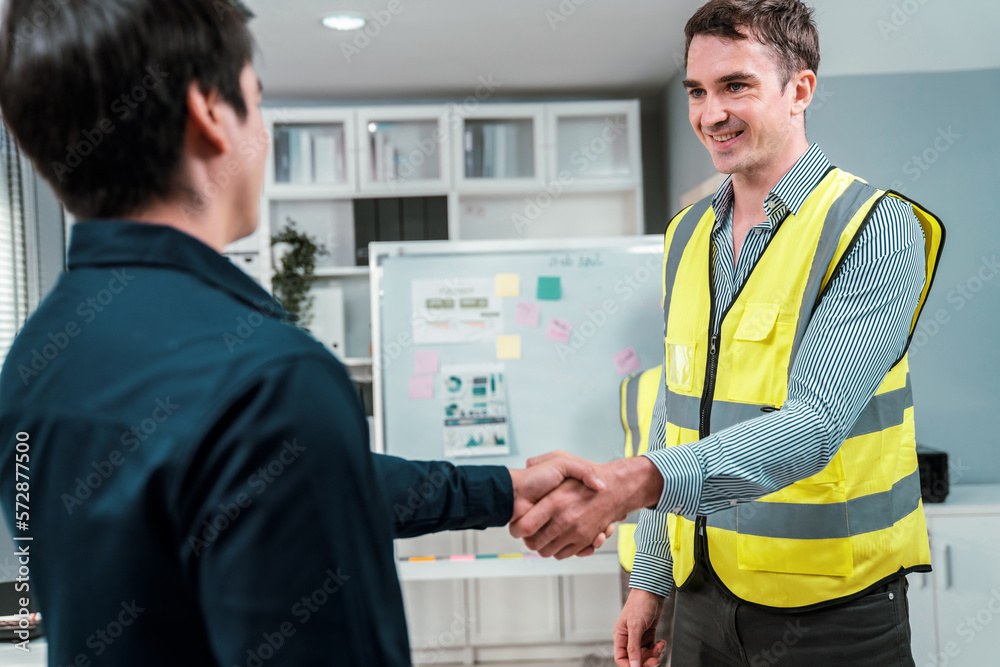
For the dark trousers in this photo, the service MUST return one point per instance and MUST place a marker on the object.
(712, 629)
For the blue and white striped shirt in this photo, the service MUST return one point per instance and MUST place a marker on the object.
(856, 334)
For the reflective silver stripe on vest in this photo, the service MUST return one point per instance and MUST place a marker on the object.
(794, 521)
(685, 411)
(882, 412)
(683, 234)
(632, 411)
(837, 218)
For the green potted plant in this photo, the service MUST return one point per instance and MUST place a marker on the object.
(295, 254)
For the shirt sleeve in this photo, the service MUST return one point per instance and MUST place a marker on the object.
(858, 332)
(652, 569)
(431, 496)
(287, 531)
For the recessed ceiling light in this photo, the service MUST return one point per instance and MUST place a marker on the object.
(343, 21)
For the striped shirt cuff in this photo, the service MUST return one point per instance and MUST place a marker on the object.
(652, 574)
(683, 477)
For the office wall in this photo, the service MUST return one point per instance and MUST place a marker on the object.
(931, 136)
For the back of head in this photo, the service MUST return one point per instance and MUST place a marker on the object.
(95, 91)
(786, 26)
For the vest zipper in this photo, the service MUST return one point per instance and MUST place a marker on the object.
(706, 401)
(708, 394)
(713, 357)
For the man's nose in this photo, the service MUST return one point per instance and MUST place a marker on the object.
(714, 112)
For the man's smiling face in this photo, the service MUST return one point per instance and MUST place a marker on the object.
(737, 104)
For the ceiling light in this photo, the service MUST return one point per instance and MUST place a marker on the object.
(344, 22)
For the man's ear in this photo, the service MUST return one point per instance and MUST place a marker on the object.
(204, 119)
(803, 86)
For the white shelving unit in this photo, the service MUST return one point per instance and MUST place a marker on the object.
(324, 159)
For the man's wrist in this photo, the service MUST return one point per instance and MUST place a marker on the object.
(638, 481)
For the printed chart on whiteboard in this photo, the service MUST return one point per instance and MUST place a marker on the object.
(455, 310)
(475, 410)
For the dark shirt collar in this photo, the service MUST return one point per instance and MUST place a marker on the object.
(787, 196)
(116, 243)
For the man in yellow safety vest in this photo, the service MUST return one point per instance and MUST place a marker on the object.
(781, 488)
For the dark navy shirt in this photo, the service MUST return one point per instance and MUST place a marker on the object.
(201, 489)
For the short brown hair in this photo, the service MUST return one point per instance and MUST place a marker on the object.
(786, 26)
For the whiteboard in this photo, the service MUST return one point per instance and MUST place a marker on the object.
(559, 395)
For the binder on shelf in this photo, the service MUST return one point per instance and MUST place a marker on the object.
(377, 155)
(364, 229)
(437, 218)
(470, 165)
(282, 170)
(305, 141)
(325, 154)
(295, 171)
(414, 213)
(500, 148)
(477, 152)
(489, 149)
(389, 158)
(339, 155)
(387, 220)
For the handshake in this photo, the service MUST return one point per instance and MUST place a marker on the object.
(566, 506)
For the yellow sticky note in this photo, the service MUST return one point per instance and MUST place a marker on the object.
(508, 284)
(508, 347)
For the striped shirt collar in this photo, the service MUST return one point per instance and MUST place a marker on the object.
(788, 195)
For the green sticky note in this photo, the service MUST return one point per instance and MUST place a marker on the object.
(549, 289)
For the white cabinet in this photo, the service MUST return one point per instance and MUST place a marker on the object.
(404, 149)
(500, 148)
(313, 153)
(436, 614)
(920, 598)
(595, 144)
(514, 608)
(955, 610)
(348, 176)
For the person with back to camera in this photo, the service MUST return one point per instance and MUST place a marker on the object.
(238, 516)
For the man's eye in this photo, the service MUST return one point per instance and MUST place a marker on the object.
(696, 92)
(736, 87)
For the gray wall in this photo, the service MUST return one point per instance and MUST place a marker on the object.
(874, 126)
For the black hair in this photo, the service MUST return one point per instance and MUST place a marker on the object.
(95, 91)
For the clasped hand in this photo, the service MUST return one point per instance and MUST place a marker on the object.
(566, 506)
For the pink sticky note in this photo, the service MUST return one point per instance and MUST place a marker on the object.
(527, 314)
(559, 330)
(426, 362)
(421, 387)
(626, 361)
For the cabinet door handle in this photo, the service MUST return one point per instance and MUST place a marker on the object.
(946, 560)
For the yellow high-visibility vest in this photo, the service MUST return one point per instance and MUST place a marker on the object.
(639, 393)
(860, 520)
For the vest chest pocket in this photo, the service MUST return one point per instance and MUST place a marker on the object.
(754, 351)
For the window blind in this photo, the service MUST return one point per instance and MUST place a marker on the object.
(13, 250)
